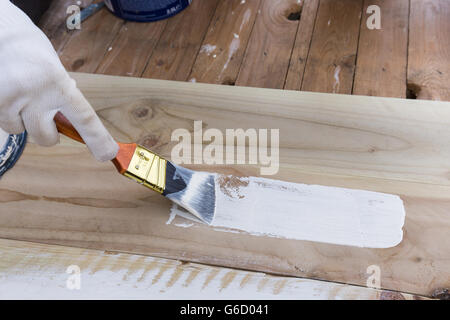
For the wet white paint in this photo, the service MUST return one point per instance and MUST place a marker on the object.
(272, 208)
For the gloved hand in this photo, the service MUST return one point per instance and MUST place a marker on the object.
(34, 86)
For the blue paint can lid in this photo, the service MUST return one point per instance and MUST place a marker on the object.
(146, 10)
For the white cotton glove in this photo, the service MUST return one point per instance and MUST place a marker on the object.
(34, 86)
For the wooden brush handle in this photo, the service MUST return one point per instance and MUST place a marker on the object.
(66, 128)
(124, 155)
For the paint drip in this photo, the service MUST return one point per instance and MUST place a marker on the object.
(271, 208)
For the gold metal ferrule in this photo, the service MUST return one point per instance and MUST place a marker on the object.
(148, 168)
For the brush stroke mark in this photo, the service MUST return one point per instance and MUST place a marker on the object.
(271, 208)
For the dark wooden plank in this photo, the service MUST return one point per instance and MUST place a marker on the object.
(222, 51)
(332, 57)
(130, 51)
(383, 54)
(86, 48)
(429, 50)
(53, 22)
(175, 53)
(267, 57)
(297, 63)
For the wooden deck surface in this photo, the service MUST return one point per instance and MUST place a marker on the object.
(309, 45)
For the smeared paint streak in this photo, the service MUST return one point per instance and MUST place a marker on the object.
(147, 269)
(162, 270)
(245, 280)
(271, 208)
(278, 287)
(134, 267)
(262, 283)
(191, 277)
(175, 276)
(227, 279)
(210, 277)
(232, 49)
(235, 43)
(337, 83)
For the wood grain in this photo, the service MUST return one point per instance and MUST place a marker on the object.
(85, 49)
(302, 44)
(223, 48)
(114, 275)
(332, 57)
(61, 195)
(429, 49)
(267, 57)
(131, 49)
(175, 53)
(383, 54)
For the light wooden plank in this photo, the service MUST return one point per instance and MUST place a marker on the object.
(222, 51)
(131, 49)
(382, 54)
(266, 60)
(85, 49)
(297, 63)
(175, 53)
(429, 50)
(332, 57)
(62, 196)
(35, 271)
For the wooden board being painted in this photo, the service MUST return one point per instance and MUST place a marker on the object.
(376, 144)
(30, 271)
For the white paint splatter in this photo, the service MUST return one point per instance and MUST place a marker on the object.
(193, 80)
(272, 208)
(337, 82)
(329, 22)
(243, 2)
(208, 49)
(236, 35)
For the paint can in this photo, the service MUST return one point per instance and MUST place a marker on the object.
(11, 147)
(146, 10)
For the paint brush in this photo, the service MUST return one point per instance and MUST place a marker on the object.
(192, 190)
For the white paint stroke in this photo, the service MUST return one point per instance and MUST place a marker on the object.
(337, 82)
(39, 272)
(271, 208)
